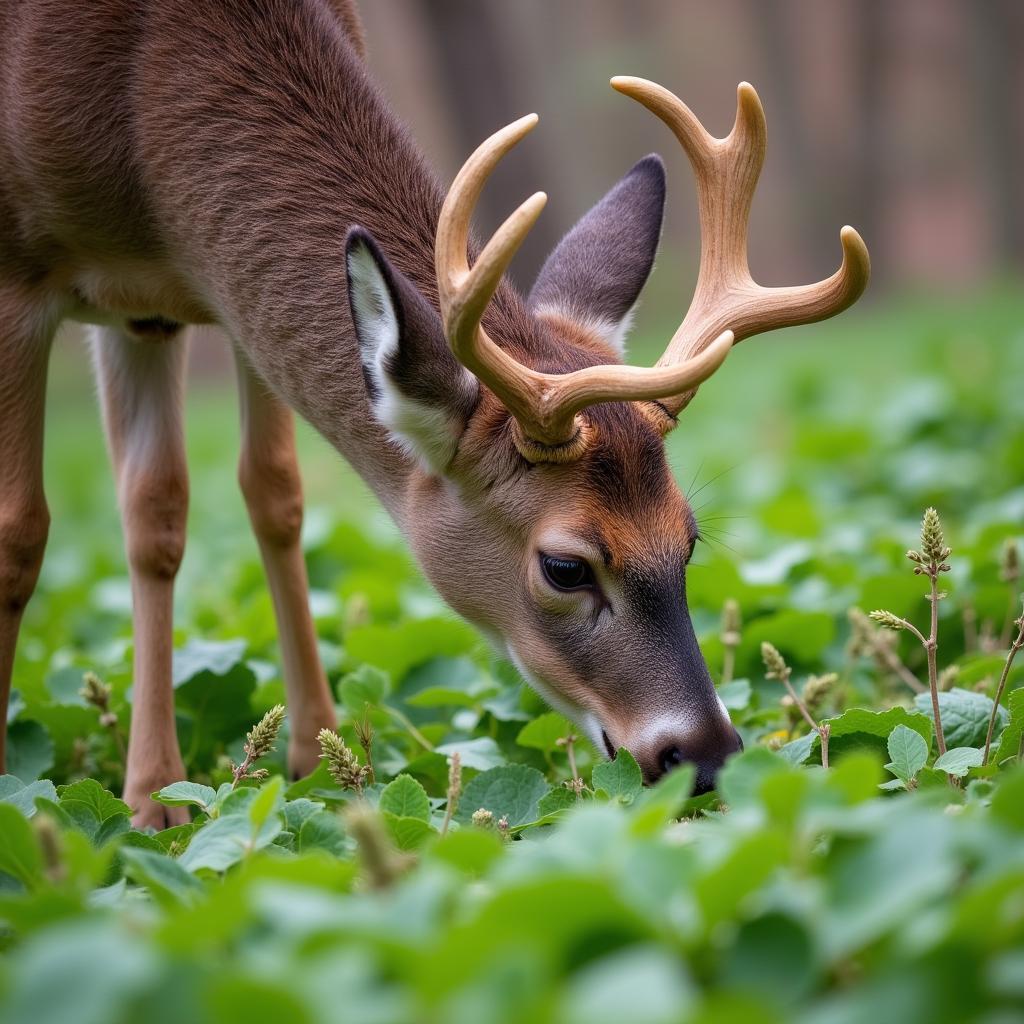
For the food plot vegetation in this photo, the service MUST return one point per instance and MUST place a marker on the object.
(462, 854)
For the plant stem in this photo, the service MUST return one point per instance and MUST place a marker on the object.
(404, 721)
(1007, 665)
(931, 648)
(824, 731)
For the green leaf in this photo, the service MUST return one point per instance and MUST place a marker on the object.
(481, 753)
(908, 752)
(404, 797)
(268, 799)
(225, 841)
(19, 851)
(512, 791)
(29, 749)
(544, 732)
(735, 694)
(1009, 741)
(620, 778)
(958, 761)
(182, 794)
(96, 812)
(367, 685)
(858, 729)
(965, 715)
(169, 883)
(14, 791)
(408, 833)
(321, 831)
(557, 799)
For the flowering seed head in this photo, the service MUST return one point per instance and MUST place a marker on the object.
(95, 692)
(887, 619)
(260, 739)
(933, 544)
(342, 764)
(455, 778)
(817, 688)
(774, 662)
(483, 818)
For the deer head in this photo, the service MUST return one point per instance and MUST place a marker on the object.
(542, 506)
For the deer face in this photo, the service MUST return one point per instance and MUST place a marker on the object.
(541, 505)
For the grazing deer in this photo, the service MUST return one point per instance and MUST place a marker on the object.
(165, 163)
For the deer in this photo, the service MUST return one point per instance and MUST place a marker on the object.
(165, 164)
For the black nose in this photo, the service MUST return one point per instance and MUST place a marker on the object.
(668, 758)
(708, 762)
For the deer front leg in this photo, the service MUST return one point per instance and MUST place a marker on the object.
(142, 386)
(24, 519)
(268, 472)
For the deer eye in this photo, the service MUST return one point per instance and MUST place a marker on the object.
(566, 573)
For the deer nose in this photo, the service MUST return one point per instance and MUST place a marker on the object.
(708, 760)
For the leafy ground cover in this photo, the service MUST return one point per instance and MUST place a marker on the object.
(532, 880)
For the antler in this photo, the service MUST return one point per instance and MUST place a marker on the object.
(726, 295)
(545, 406)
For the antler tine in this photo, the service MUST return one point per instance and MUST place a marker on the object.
(545, 406)
(463, 292)
(726, 172)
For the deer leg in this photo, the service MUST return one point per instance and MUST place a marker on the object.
(24, 519)
(268, 472)
(142, 387)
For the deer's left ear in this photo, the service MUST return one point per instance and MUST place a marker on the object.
(595, 273)
(417, 388)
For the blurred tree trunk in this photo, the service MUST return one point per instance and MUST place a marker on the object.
(996, 28)
(481, 82)
(864, 183)
(787, 125)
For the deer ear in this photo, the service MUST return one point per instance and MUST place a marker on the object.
(417, 388)
(595, 273)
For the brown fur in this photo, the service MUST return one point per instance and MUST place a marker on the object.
(165, 161)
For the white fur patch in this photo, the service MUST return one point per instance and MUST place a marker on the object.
(612, 332)
(425, 432)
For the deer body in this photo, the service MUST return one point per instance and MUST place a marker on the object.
(170, 163)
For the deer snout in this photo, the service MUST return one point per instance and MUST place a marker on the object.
(662, 751)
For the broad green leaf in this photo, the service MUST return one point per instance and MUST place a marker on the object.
(1008, 742)
(321, 831)
(965, 716)
(481, 753)
(908, 752)
(29, 749)
(470, 850)
(408, 833)
(181, 794)
(95, 811)
(859, 729)
(511, 791)
(225, 841)
(169, 882)
(404, 797)
(558, 799)
(620, 778)
(735, 694)
(268, 800)
(365, 686)
(19, 851)
(14, 791)
(958, 760)
(544, 732)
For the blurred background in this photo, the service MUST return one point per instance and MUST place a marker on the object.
(812, 453)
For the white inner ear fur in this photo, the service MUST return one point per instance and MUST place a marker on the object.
(427, 433)
(612, 332)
